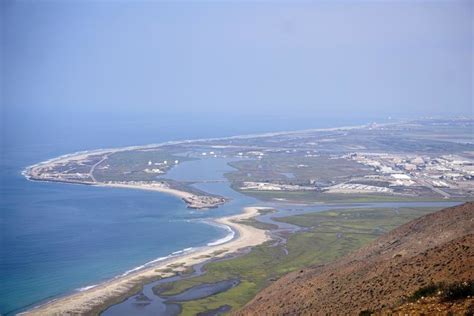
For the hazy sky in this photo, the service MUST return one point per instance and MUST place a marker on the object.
(306, 59)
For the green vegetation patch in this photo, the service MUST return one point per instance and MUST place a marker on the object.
(375, 221)
(305, 170)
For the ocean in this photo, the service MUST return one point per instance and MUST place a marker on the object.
(59, 238)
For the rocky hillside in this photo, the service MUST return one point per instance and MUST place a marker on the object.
(383, 275)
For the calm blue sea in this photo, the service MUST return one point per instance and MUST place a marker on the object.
(56, 238)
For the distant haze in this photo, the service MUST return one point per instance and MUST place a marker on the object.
(274, 60)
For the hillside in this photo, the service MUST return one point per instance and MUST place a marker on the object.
(434, 248)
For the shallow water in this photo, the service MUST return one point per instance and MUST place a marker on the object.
(203, 290)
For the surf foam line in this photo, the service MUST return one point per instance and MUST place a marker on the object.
(143, 266)
(157, 260)
(230, 233)
(85, 288)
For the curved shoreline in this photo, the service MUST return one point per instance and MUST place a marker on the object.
(100, 296)
(110, 292)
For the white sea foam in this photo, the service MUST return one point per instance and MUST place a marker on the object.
(181, 251)
(227, 238)
(133, 270)
(153, 262)
(85, 288)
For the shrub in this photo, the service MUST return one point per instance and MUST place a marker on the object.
(458, 290)
(448, 292)
(425, 291)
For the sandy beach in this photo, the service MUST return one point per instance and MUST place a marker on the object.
(98, 298)
(158, 188)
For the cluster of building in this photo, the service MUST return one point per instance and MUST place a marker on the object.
(446, 171)
(161, 167)
(64, 176)
(57, 171)
(148, 184)
(267, 186)
(210, 154)
(356, 188)
(251, 154)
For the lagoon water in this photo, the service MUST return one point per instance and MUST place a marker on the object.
(57, 238)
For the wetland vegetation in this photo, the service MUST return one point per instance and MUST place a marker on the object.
(326, 236)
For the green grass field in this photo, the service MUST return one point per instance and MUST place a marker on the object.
(329, 235)
(322, 169)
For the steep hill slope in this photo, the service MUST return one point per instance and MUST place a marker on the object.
(435, 248)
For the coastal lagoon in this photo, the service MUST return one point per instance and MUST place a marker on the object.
(58, 238)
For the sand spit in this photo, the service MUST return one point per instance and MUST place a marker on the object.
(192, 200)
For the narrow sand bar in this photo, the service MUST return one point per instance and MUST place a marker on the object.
(158, 188)
(98, 298)
(192, 200)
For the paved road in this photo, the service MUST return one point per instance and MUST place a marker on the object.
(431, 187)
(91, 172)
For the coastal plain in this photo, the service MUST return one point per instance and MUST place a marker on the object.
(425, 160)
(415, 160)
